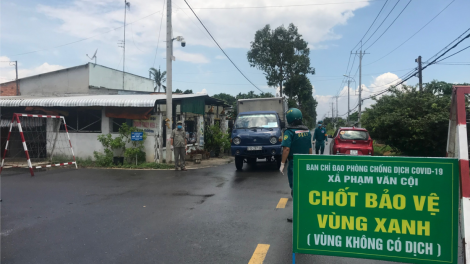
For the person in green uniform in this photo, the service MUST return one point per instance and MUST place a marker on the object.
(320, 137)
(296, 140)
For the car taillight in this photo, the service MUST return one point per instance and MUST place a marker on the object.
(336, 141)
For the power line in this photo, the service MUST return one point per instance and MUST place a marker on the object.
(453, 54)
(280, 6)
(80, 40)
(159, 31)
(448, 45)
(371, 24)
(221, 48)
(413, 34)
(382, 22)
(431, 63)
(390, 25)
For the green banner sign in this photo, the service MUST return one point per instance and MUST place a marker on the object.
(389, 208)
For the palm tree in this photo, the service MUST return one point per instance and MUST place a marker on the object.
(159, 78)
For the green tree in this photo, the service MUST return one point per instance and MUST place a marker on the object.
(178, 91)
(353, 118)
(410, 122)
(281, 53)
(439, 87)
(229, 99)
(159, 78)
(301, 89)
(188, 92)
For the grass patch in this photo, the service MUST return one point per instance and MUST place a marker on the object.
(147, 165)
(384, 150)
(88, 162)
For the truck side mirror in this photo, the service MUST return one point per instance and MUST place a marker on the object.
(283, 124)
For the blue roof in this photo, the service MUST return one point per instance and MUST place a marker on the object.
(258, 112)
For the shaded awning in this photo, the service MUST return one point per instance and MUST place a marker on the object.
(134, 100)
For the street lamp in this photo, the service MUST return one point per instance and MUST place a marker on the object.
(348, 90)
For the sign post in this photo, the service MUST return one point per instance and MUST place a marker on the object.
(388, 208)
(137, 136)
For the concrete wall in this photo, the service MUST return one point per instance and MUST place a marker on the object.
(58, 83)
(8, 89)
(103, 77)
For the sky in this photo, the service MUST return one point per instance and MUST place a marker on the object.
(48, 35)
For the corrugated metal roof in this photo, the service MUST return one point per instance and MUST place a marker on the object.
(135, 100)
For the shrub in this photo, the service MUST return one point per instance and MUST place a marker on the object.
(103, 160)
(214, 139)
(118, 144)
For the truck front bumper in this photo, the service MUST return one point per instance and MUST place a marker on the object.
(266, 151)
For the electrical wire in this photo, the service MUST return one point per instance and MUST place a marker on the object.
(448, 45)
(389, 25)
(413, 34)
(453, 54)
(429, 64)
(159, 31)
(221, 48)
(371, 24)
(382, 22)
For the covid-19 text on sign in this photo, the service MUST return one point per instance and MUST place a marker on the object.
(390, 208)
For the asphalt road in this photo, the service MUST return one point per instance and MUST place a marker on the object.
(213, 215)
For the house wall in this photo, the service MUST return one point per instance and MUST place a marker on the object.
(58, 83)
(103, 77)
(8, 89)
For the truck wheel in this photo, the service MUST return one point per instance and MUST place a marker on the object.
(239, 163)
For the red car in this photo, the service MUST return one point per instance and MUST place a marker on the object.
(351, 141)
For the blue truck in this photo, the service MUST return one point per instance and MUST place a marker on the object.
(257, 131)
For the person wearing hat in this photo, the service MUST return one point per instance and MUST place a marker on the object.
(178, 143)
(296, 140)
(319, 136)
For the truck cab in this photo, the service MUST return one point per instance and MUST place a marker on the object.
(257, 135)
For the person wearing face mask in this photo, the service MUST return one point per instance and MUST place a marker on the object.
(320, 138)
(178, 143)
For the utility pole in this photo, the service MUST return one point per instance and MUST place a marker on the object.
(360, 87)
(333, 116)
(126, 5)
(348, 100)
(169, 103)
(337, 108)
(16, 70)
(361, 54)
(420, 73)
(349, 81)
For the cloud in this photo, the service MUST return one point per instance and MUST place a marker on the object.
(190, 57)
(380, 83)
(204, 91)
(4, 62)
(317, 47)
(232, 28)
(220, 57)
(9, 75)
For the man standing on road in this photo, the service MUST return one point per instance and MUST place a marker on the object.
(320, 138)
(297, 140)
(178, 142)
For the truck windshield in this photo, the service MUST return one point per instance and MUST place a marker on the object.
(258, 121)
